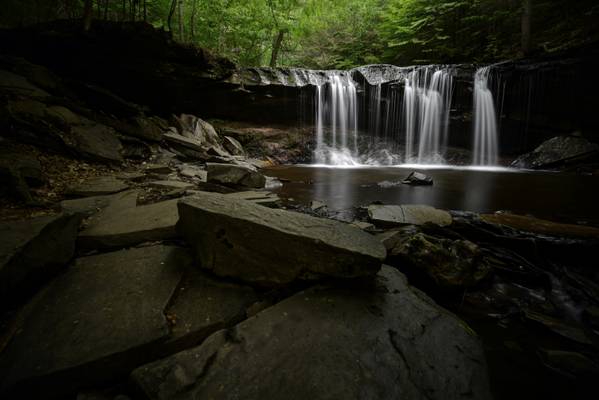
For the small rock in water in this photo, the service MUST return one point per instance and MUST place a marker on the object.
(417, 178)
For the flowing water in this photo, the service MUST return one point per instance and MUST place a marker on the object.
(485, 121)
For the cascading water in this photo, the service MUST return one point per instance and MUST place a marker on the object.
(485, 121)
(336, 110)
(427, 103)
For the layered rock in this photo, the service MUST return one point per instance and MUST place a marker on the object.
(381, 339)
(236, 238)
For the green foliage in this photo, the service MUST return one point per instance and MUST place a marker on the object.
(343, 33)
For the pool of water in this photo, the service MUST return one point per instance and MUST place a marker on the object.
(557, 196)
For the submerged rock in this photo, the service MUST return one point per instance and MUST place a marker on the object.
(236, 238)
(231, 174)
(99, 320)
(449, 263)
(555, 152)
(32, 251)
(413, 214)
(417, 178)
(381, 339)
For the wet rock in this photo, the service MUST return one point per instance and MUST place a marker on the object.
(32, 251)
(99, 320)
(382, 339)
(202, 306)
(449, 263)
(414, 214)
(98, 186)
(571, 364)
(231, 174)
(555, 152)
(233, 146)
(417, 178)
(563, 328)
(117, 227)
(540, 226)
(182, 141)
(235, 238)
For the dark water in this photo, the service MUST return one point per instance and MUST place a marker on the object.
(555, 196)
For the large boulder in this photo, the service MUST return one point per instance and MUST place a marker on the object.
(449, 263)
(409, 214)
(380, 339)
(231, 174)
(556, 151)
(96, 322)
(240, 239)
(32, 251)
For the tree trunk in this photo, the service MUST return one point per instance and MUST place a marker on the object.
(88, 10)
(526, 27)
(276, 46)
(145, 11)
(180, 18)
(192, 21)
(171, 12)
(106, 9)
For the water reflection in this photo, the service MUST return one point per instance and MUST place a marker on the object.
(548, 195)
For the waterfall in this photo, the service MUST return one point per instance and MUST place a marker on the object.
(485, 121)
(427, 103)
(336, 107)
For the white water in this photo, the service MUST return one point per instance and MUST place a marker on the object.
(427, 103)
(410, 127)
(337, 111)
(485, 121)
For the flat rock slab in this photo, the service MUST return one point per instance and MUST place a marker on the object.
(231, 174)
(236, 238)
(122, 227)
(99, 320)
(378, 340)
(204, 305)
(33, 250)
(409, 214)
(103, 185)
